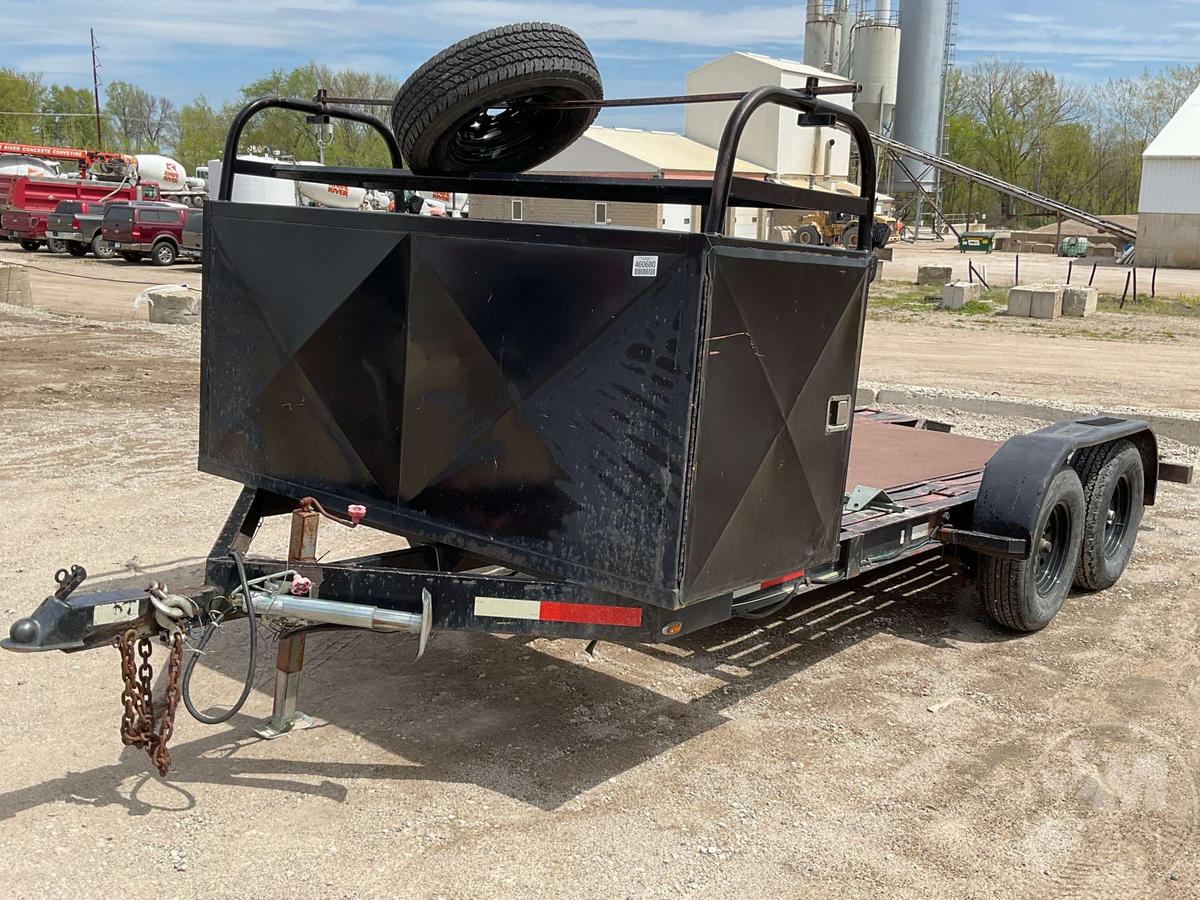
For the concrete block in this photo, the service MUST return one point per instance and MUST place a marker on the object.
(1080, 301)
(1102, 251)
(938, 275)
(1046, 302)
(959, 294)
(171, 304)
(1019, 302)
(1041, 248)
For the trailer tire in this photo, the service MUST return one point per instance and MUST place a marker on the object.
(102, 249)
(447, 118)
(1114, 484)
(77, 248)
(1026, 594)
(30, 246)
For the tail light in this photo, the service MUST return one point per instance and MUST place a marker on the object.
(75, 223)
(137, 232)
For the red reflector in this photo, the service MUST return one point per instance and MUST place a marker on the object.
(781, 579)
(630, 616)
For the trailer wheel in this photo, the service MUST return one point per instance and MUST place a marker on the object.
(1113, 488)
(472, 107)
(808, 234)
(102, 249)
(1025, 594)
(30, 246)
(77, 248)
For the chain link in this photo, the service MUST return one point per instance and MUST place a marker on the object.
(138, 725)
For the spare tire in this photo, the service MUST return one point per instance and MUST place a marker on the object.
(474, 106)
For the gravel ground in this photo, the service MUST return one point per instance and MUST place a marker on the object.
(879, 739)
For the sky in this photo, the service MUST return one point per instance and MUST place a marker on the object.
(213, 47)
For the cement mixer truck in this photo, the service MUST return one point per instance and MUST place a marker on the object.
(173, 181)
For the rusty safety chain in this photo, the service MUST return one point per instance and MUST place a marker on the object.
(139, 725)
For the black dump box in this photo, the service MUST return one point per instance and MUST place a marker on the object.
(657, 415)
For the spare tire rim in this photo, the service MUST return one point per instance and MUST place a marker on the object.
(1117, 517)
(499, 133)
(1052, 550)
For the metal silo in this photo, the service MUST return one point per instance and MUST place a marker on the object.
(924, 58)
(823, 36)
(874, 63)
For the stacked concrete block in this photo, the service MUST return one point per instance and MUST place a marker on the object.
(959, 294)
(14, 286)
(1038, 301)
(1080, 301)
(1041, 248)
(938, 275)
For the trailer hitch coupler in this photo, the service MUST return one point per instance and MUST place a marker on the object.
(24, 631)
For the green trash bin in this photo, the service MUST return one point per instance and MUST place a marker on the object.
(977, 242)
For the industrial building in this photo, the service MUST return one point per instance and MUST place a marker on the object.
(1169, 207)
(772, 138)
(623, 153)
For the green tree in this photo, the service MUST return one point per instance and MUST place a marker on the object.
(21, 95)
(138, 121)
(201, 133)
(286, 132)
(70, 117)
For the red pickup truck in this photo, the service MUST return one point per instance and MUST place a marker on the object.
(138, 230)
(26, 202)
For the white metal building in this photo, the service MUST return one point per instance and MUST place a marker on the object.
(1169, 208)
(625, 153)
(772, 138)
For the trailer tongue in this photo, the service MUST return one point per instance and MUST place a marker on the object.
(586, 432)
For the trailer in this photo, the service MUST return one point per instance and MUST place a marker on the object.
(585, 432)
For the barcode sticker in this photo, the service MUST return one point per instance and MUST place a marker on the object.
(645, 266)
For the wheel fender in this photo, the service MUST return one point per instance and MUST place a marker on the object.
(1016, 479)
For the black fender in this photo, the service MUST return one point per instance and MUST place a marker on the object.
(1016, 479)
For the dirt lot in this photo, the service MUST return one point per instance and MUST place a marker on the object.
(880, 740)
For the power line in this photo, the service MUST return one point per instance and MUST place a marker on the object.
(86, 115)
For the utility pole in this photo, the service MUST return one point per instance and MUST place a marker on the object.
(96, 91)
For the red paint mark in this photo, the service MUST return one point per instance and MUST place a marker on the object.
(553, 611)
